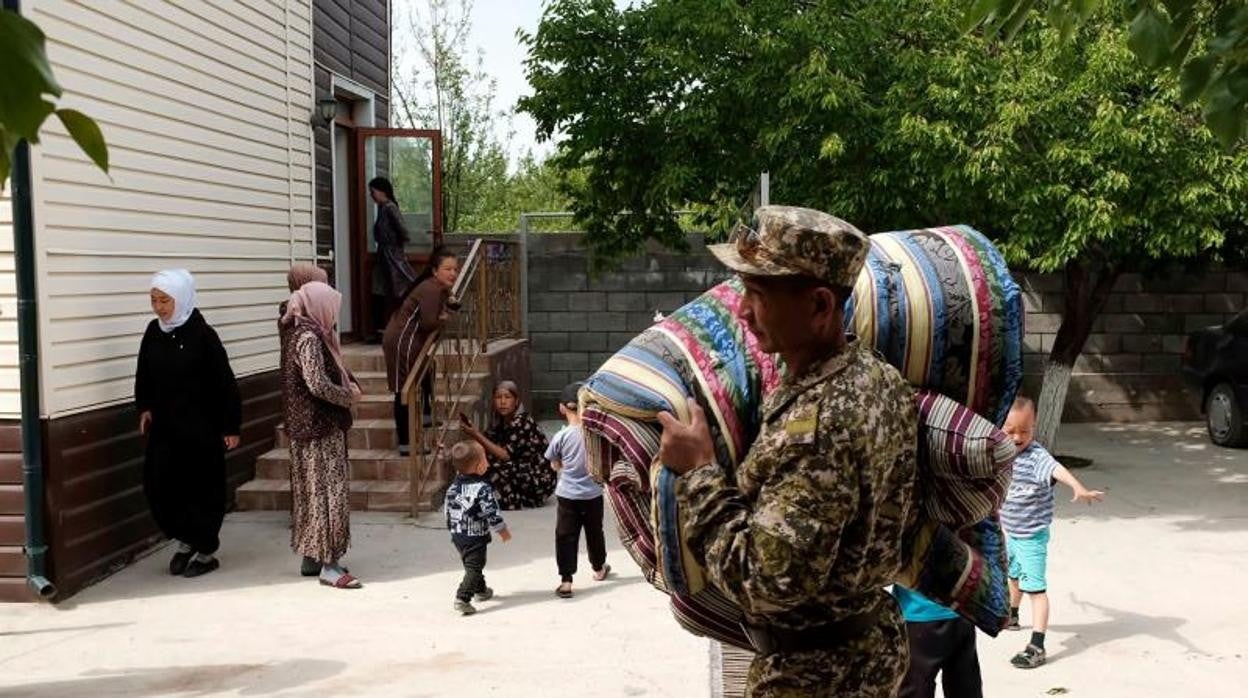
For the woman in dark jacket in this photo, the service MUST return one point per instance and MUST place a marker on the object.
(393, 277)
(190, 410)
(425, 309)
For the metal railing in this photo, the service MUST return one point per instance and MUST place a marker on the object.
(488, 293)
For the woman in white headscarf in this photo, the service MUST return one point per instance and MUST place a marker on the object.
(190, 410)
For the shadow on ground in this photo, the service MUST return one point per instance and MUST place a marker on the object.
(1119, 624)
(244, 679)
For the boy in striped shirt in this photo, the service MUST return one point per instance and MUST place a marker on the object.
(1025, 516)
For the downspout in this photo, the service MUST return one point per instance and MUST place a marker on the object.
(28, 350)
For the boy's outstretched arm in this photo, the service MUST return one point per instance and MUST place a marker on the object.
(1082, 494)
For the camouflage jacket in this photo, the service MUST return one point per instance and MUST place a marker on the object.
(812, 531)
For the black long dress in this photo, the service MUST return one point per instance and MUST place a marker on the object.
(184, 379)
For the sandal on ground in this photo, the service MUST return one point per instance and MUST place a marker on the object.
(312, 568)
(603, 573)
(1013, 625)
(564, 591)
(1030, 658)
(346, 581)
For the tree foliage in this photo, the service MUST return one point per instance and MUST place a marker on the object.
(25, 89)
(1070, 152)
(448, 89)
(883, 113)
(1202, 42)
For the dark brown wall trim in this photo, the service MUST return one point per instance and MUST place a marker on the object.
(98, 518)
(13, 585)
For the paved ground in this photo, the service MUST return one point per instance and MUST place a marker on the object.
(1145, 603)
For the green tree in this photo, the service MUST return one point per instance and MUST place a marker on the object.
(1072, 155)
(25, 88)
(449, 90)
(1202, 42)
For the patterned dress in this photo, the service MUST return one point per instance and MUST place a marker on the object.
(525, 480)
(320, 480)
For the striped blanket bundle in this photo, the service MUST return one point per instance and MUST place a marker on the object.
(938, 304)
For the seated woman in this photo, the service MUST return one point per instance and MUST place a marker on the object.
(516, 447)
(425, 309)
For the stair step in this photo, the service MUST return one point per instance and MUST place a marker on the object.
(382, 406)
(365, 464)
(366, 495)
(368, 434)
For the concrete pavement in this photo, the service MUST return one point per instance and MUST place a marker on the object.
(1144, 591)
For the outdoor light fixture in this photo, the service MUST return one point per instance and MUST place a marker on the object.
(326, 108)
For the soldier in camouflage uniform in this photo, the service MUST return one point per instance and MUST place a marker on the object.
(811, 533)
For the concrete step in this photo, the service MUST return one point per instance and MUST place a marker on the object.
(382, 406)
(369, 434)
(366, 464)
(372, 382)
(366, 495)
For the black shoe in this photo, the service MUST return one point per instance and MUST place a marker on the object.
(177, 564)
(309, 567)
(197, 568)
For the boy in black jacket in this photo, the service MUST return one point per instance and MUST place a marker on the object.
(471, 514)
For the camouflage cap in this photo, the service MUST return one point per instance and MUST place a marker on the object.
(792, 241)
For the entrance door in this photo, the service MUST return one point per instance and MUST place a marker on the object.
(412, 160)
(344, 145)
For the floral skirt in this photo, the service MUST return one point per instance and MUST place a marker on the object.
(522, 485)
(320, 497)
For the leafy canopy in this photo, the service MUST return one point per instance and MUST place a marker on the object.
(1204, 42)
(26, 81)
(886, 114)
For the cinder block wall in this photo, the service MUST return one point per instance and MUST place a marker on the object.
(1129, 369)
(577, 321)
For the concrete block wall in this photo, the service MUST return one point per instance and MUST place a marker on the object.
(1130, 366)
(576, 321)
(1129, 369)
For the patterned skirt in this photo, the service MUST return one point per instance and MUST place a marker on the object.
(320, 497)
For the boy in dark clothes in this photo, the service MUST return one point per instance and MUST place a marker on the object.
(471, 514)
(580, 498)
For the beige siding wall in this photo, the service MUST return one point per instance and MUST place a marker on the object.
(205, 105)
(10, 394)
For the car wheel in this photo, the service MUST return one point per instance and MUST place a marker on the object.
(1225, 417)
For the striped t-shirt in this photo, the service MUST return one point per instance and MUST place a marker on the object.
(1028, 507)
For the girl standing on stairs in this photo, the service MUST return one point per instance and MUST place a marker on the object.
(317, 393)
(424, 310)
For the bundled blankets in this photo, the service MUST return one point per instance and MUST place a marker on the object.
(940, 305)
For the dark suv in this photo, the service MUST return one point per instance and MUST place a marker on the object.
(1215, 360)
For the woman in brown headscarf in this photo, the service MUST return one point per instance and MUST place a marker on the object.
(318, 392)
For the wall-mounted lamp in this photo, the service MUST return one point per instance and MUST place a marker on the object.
(326, 109)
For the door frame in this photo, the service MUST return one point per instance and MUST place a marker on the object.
(361, 259)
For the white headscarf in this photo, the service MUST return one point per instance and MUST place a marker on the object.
(179, 285)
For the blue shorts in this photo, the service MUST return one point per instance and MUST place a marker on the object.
(1028, 559)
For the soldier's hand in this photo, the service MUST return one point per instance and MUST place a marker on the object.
(684, 447)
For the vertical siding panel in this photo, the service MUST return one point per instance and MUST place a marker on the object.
(206, 107)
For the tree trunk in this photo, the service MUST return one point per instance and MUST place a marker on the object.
(1086, 294)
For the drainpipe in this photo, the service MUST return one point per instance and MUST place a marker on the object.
(28, 349)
